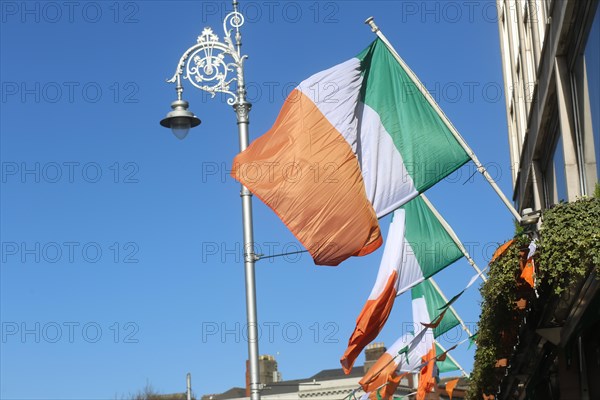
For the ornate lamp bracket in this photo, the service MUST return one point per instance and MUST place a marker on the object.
(213, 65)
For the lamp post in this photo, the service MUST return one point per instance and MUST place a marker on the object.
(207, 66)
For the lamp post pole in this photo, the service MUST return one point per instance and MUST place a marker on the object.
(206, 65)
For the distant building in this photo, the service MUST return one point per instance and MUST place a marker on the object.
(551, 66)
(330, 384)
(372, 353)
(175, 396)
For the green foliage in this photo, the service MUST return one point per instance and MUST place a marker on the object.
(569, 247)
(497, 313)
(597, 190)
(570, 243)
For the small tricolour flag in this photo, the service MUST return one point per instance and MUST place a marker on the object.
(472, 340)
(447, 363)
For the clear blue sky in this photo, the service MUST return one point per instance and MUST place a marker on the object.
(121, 245)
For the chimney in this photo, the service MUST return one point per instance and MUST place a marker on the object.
(247, 378)
(372, 354)
(267, 371)
(267, 367)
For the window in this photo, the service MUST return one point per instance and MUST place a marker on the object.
(529, 70)
(555, 182)
(548, 6)
(506, 49)
(592, 67)
(541, 18)
(515, 144)
(514, 28)
(586, 85)
(520, 101)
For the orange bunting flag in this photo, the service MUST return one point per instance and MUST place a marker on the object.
(442, 357)
(426, 376)
(501, 250)
(528, 273)
(434, 324)
(450, 385)
(380, 373)
(387, 391)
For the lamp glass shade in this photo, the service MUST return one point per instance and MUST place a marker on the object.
(180, 126)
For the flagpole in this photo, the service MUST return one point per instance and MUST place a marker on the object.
(370, 21)
(453, 360)
(454, 237)
(464, 326)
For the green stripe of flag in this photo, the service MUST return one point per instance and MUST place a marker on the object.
(429, 150)
(434, 301)
(431, 244)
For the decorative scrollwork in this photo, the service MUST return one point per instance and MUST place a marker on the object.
(235, 19)
(205, 64)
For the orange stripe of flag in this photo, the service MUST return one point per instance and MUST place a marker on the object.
(528, 272)
(501, 250)
(306, 171)
(370, 322)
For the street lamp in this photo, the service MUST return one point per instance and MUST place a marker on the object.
(207, 66)
(180, 120)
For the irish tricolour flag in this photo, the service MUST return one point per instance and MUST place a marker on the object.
(417, 247)
(350, 145)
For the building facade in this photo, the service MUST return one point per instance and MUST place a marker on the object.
(551, 67)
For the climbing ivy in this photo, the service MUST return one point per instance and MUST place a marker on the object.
(570, 243)
(497, 312)
(568, 248)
